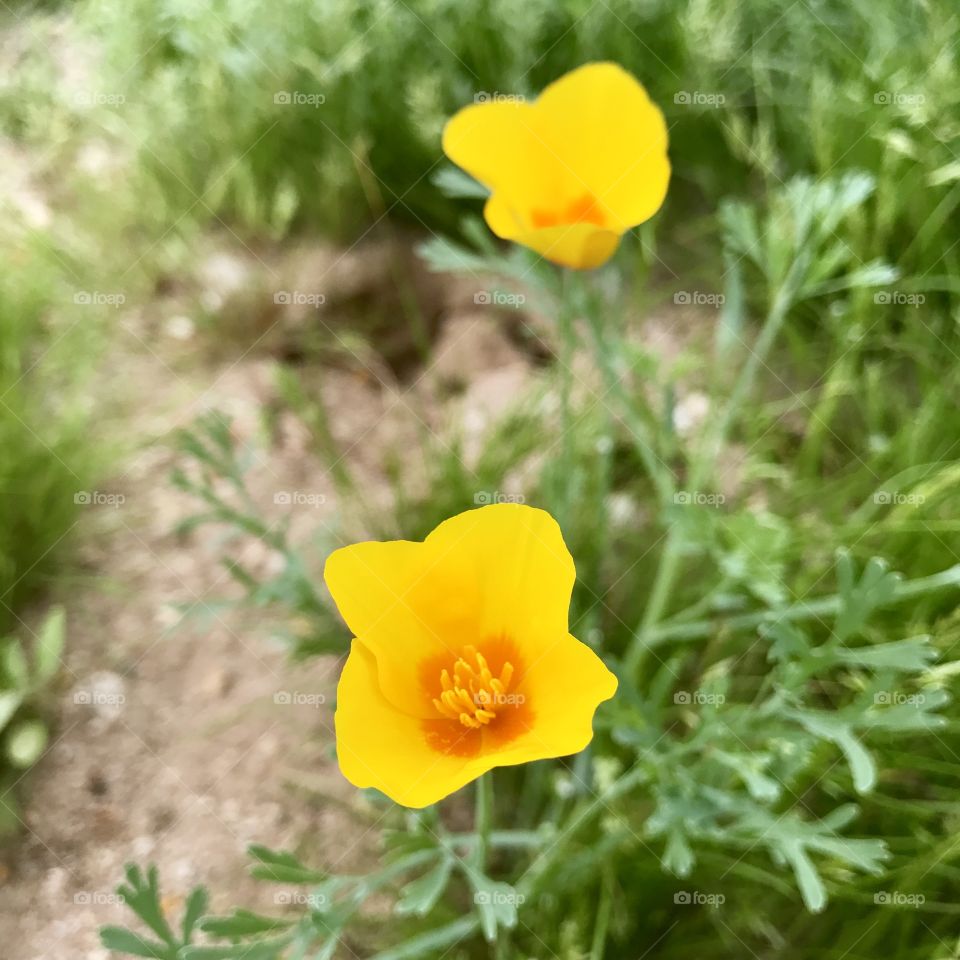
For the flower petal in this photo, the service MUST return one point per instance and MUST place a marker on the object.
(404, 605)
(561, 690)
(377, 746)
(612, 137)
(580, 246)
(516, 572)
(565, 684)
(501, 145)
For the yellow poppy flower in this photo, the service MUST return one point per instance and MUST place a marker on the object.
(462, 660)
(570, 173)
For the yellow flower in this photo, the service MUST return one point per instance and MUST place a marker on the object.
(571, 172)
(462, 659)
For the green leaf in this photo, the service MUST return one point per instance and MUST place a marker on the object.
(443, 256)
(859, 598)
(195, 908)
(789, 641)
(830, 727)
(15, 664)
(49, 649)
(908, 656)
(678, 857)
(808, 880)
(278, 866)
(436, 942)
(729, 335)
(873, 274)
(142, 895)
(749, 770)
(261, 950)
(242, 923)
(453, 182)
(862, 766)
(10, 701)
(496, 904)
(915, 712)
(26, 743)
(420, 895)
(740, 232)
(121, 940)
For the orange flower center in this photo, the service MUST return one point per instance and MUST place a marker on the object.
(583, 210)
(473, 694)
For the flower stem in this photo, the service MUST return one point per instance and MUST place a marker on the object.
(758, 356)
(658, 472)
(567, 352)
(821, 607)
(667, 570)
(483, 820)
(603, 918)
(557, 850)
(669, 566)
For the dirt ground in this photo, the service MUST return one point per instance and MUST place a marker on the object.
(182, 744)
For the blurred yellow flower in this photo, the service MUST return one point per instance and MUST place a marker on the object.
(571, 172)
(462, 659)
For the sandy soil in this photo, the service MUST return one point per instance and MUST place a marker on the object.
(173, 743)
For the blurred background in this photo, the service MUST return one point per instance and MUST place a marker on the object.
(222, 351)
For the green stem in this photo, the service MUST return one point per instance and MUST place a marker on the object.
(603, 918)
(557, 850)
(822, 607)
(667, 570)
(658, 472)
(567, 351)
(507, 839)
(669, 565)
(483, 821)
(433, 942)
(782, 301)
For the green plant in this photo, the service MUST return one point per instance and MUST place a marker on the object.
(765, 733)
(24, 677)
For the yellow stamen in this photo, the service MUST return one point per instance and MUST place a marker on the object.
(473, 691)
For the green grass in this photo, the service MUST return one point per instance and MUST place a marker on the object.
(817, 87)
(54, 456)
(47, 425)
